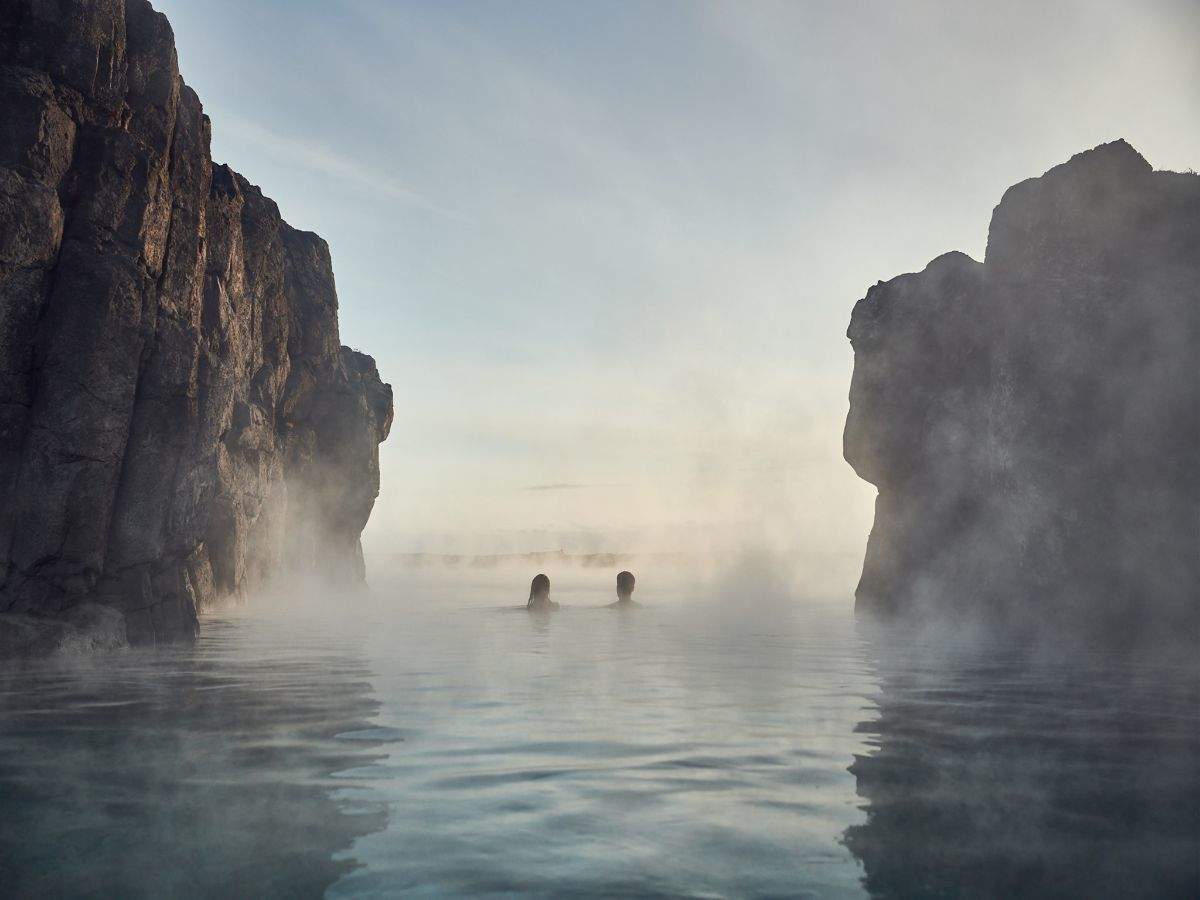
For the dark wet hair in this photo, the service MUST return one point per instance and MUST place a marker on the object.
(625, 582)
(540, 585)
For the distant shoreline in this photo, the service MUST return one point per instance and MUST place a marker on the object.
(483, 561)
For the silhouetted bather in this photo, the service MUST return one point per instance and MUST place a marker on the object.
(539, 594)
(625, 585)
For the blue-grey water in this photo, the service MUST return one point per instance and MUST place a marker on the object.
(428, 741)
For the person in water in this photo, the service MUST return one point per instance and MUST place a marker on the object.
(539, 594)
(625, 585)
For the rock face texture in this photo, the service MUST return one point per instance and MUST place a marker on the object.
(1033, 422)
(178, 420)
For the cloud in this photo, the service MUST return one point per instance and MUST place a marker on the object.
(318, 158)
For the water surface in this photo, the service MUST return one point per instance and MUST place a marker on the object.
(430, 741)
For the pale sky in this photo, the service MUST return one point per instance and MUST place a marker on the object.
(606, 252)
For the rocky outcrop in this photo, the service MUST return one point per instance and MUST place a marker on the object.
(1032, 422)
(178, 420)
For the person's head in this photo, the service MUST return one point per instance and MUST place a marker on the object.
(540, 588)
(625, 583)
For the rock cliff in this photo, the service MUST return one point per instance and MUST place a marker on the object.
(1032, 422)
(178, 420)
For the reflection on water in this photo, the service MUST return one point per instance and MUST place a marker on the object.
(1000, 777)
(194, 771)
(661, 751)
(434, 743)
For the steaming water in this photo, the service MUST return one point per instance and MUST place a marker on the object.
(434, 743)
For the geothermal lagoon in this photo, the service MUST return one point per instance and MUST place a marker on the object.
(434, 738)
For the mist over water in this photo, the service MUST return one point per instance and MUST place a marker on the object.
(205, 770)
(734, 737)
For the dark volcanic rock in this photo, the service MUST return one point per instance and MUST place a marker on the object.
(1033, 422)
(85, 628)
(178, 420)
